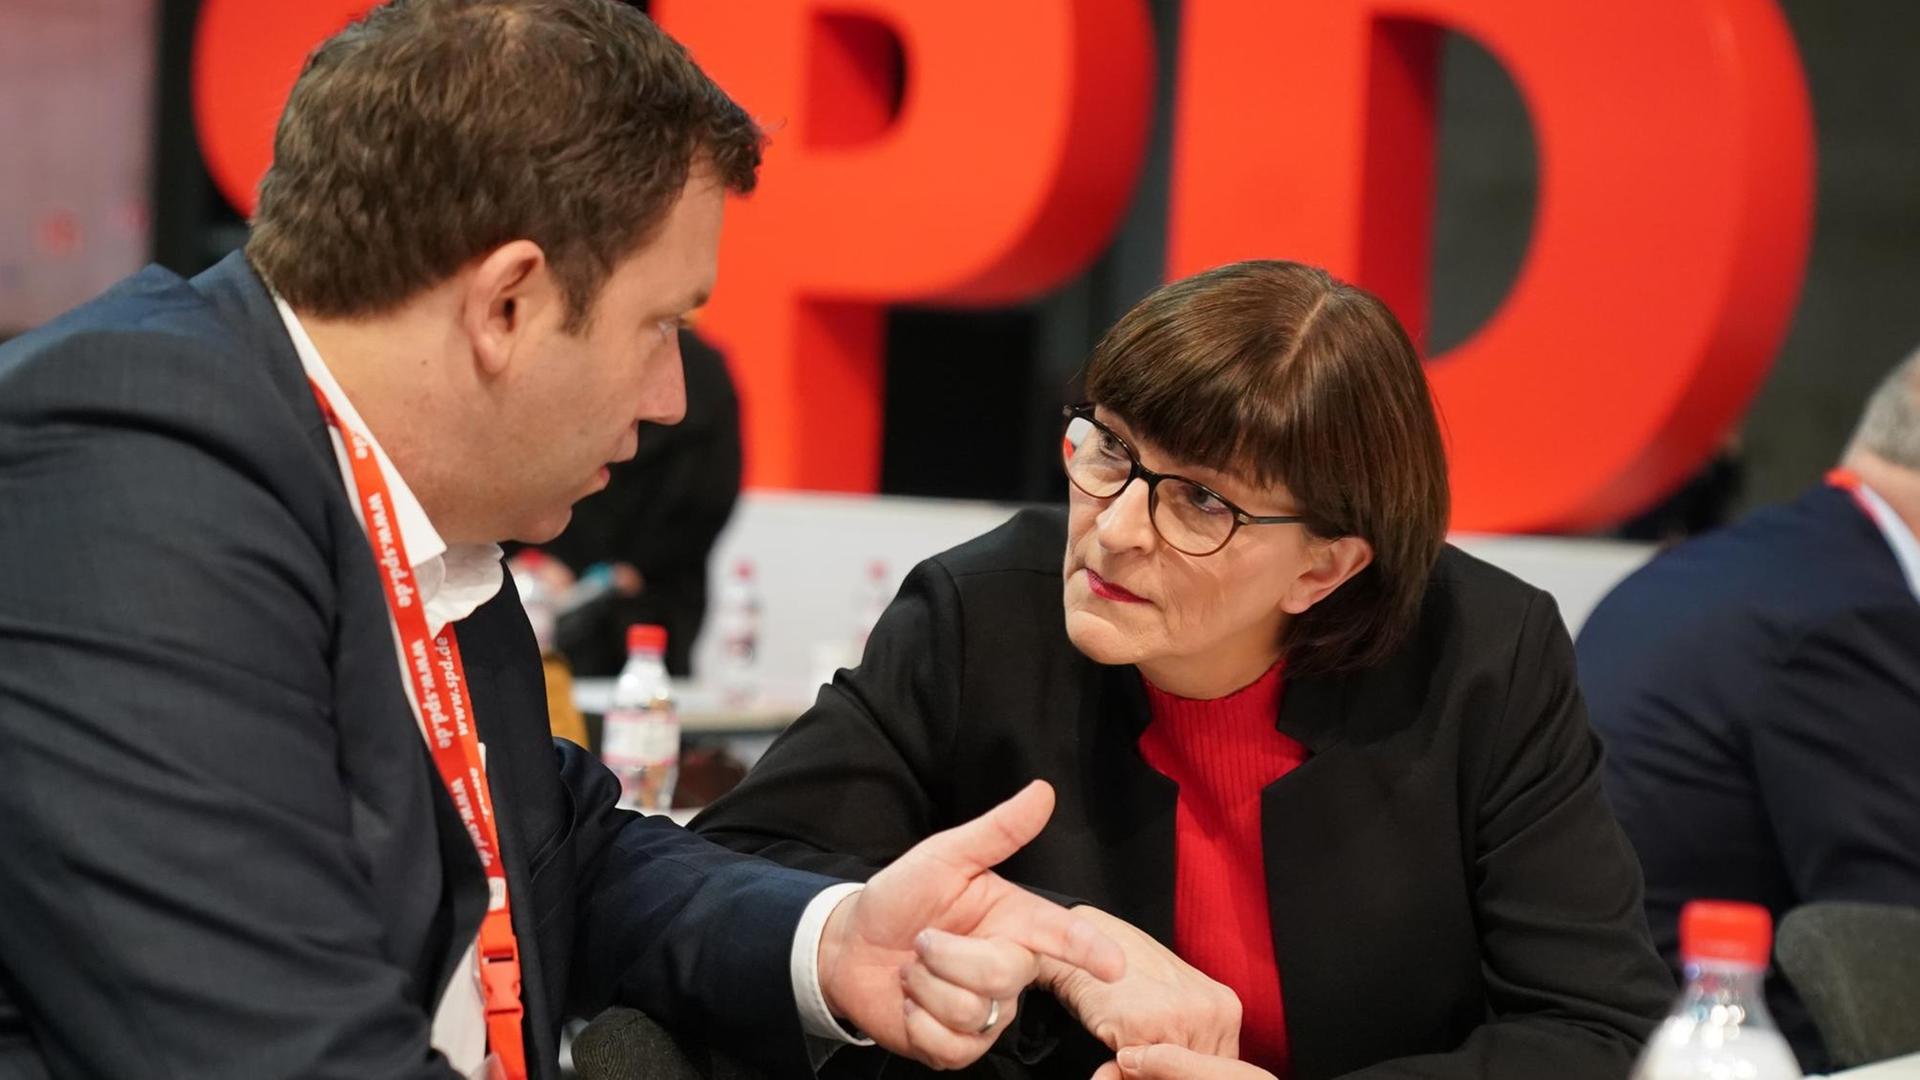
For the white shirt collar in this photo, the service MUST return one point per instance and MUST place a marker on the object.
(453, 582)
(1906, 548)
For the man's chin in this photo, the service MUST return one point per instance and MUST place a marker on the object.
(543, 529)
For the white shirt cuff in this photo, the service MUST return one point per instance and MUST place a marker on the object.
(804, 967)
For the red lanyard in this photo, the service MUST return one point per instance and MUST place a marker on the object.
(440, 689)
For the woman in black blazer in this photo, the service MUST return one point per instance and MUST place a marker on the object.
(1425, 881)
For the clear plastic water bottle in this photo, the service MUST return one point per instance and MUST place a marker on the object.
(1720, 1028)
(870, 603)
(738, 619)
(640, 737)
(536, 595)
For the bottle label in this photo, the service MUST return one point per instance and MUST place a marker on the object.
(741, 648)
(640, 737)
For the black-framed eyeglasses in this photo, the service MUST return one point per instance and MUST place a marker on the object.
(1191, 517)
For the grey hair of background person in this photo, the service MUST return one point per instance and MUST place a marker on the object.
(1890, 426)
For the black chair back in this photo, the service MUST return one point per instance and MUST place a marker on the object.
(1857, 967)
(623, 1044)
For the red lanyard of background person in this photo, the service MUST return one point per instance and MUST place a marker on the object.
(440, 689)
(1849, 481)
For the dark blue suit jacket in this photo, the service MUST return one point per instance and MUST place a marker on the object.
(1758, 690)
(225, 851)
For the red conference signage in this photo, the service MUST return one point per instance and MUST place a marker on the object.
(982, 153)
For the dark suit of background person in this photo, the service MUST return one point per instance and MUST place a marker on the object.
(1450, 896)
(219, 823)
(661, 513)
(1758, 690)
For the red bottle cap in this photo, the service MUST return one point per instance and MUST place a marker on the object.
(646, 638)
(1725, 931)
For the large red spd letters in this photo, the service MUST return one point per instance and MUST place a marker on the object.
(982, 153)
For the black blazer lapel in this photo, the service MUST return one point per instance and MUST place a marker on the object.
(1301, 822)
(1354, 811)
(1132, 807)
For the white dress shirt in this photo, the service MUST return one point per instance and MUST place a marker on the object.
(1906, 548)
(453, 582)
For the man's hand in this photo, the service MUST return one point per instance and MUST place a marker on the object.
(1162, 999)
(929, 959)
(1164, 1062)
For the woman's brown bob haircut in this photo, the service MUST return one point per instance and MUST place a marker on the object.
(433, 131)
(1280, 374)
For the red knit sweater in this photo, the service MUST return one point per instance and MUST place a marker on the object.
(1222, 753)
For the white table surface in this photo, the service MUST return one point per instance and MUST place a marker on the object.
(702, 709)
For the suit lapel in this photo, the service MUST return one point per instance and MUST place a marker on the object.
(1300, 829)
(1132, 808)
(1311, 822)
(487, 703)
(466, 885)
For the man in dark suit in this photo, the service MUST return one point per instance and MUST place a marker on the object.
(1758, 690)
(229, 851)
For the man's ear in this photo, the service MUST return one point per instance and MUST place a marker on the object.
(1334, 563)
(509, 290)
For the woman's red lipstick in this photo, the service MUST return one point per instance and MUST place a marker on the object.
(1109, 591)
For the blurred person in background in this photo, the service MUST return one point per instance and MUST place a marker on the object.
(1328, 780)
(1704, 501)
(659, 516)
(231, 851)
(1758, 691)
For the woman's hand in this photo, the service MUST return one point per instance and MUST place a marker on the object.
(1164, 1062)
(1161, 999)
(930, 958)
